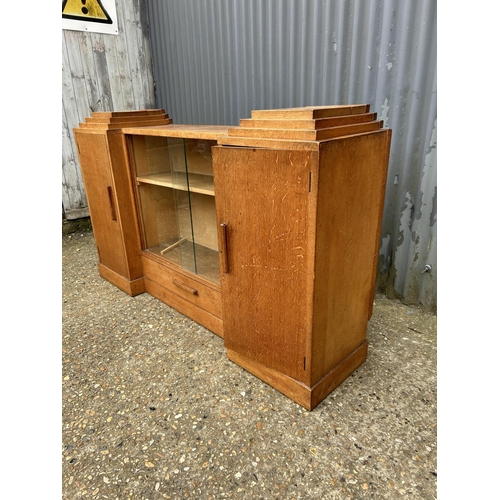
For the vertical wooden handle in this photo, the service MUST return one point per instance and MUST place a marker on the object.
(222, 233)
(111, 203)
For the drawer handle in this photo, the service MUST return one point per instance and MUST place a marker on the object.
(185, 287)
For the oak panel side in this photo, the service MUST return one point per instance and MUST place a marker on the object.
(351, 195)
(126, 202)
(101, 196)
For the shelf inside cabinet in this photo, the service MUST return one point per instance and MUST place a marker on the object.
(198, 183)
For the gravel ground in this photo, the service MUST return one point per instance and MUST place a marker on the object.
(153, 409)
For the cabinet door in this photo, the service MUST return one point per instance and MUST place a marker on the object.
(264, 210)
(101, 196)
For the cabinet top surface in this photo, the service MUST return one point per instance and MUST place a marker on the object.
(186, 131)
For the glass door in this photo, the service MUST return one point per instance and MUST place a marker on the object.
(202, 199)
(177, 202)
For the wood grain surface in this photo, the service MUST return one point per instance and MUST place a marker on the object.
(264, 198)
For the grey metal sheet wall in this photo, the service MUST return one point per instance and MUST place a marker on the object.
(216, 60)
(101, 72)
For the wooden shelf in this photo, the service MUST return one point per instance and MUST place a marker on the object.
(203, 184)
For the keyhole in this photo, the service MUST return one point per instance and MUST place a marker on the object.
(84, 9)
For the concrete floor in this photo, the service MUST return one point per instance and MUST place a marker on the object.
(153, 409)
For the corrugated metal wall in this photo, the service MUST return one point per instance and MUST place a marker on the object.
(215, 61)
(102, 73)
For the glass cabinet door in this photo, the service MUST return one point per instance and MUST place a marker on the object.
(177, 203)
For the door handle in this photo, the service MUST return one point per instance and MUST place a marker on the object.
(111, 203)
(223, 249)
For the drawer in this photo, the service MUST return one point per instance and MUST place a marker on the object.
(191, 288)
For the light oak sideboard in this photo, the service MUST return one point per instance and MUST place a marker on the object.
(267, 234)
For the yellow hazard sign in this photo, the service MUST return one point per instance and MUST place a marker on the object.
(94, 16)
(85, 10)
